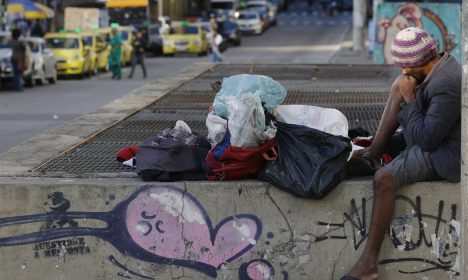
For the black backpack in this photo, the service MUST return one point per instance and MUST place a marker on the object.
(165, 159)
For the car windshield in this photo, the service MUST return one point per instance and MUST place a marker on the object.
(33, 46)
(186, 30)
(88, 40)
(4, 42)
(63, 43)
(124, 35)
(247, 16)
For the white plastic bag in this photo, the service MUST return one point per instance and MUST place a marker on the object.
(325, 119)
(216, 128)
(247, 121)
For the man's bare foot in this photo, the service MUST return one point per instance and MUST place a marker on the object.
(364, 270)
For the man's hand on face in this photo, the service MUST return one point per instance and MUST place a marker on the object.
(408, 88)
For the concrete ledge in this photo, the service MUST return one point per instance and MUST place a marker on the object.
(263, 228)
(37, 150)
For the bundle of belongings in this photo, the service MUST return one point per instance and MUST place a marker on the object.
(297, 148)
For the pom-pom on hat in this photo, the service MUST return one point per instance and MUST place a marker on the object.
(413, 47)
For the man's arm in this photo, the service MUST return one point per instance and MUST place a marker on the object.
(429, 130)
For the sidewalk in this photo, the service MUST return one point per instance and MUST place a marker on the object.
(346, 55)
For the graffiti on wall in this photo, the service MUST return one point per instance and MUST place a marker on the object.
(57, 203)
(408, 232)
(440, 20)
(156, 224)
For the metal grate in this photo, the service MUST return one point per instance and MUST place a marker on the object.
(359, 91)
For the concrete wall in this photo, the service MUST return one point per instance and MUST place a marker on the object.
(114, 229)
(440, 20)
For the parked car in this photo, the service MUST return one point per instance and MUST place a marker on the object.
(230, 32)
(70, 52)
(185, 38)
(154, 39)
(249, 21)
(268, 11)
(43, 61)
(6, 69)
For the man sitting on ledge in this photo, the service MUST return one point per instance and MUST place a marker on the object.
(426, 102)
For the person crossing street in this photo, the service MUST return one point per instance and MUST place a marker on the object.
(138, 44)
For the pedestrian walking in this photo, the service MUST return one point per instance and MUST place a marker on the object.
(138, 44)
(215, 41)
(18, 58)
(115, 54)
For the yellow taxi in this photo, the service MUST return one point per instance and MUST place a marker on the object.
(90, 45)
(126, 33)
(70, 52)
(185, 38)
(100, 44)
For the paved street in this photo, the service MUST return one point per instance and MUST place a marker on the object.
(299, 37)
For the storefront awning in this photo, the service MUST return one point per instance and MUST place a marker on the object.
(29, 9)
(126, 3)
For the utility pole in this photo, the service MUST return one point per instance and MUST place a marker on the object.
(160, 8)
(359, 24)
(464, 145)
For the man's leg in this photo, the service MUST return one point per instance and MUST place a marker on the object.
(134, 63)
(411, 166)
(143, 67)
(16, 77)
(382, 213)
(118, 70)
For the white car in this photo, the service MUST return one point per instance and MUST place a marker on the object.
(264, 7)
(43, 61)
(249, 21)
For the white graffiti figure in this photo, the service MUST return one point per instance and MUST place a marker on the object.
(406, 16)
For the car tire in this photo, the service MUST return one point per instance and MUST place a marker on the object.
(237, 43)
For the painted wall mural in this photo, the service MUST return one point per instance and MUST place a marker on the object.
(440, 20)
(159, 224)
(165, 225)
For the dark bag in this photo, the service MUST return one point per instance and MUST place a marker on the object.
(310, 162)
(165, 159)
(226, 162)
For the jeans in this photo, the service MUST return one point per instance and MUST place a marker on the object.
(17, 73)
(215, 57)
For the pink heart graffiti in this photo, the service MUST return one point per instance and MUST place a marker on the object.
(172, 224)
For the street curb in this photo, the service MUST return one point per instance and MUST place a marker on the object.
(21, 159)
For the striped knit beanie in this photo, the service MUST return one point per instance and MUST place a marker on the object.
(413, 47)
